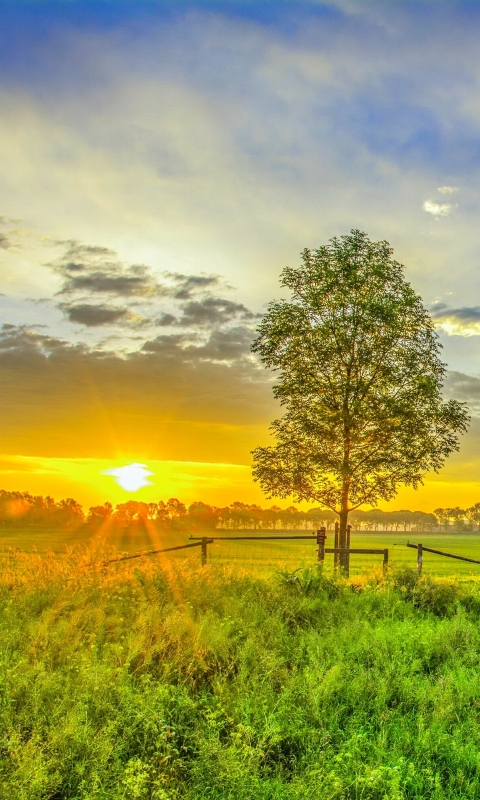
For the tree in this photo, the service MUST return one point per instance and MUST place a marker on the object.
(98, 515)
(359, 377)
(457, 515)
(443, 516)
(202, 516)
(473, 514)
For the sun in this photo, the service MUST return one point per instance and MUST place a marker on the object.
(131, 477)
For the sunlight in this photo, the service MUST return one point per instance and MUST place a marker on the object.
(132, 477)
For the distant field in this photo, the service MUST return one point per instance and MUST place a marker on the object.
(263, 554)
(55, 541)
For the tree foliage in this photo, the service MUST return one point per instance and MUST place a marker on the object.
(359, 377)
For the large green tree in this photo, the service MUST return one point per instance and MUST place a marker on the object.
(360, 379)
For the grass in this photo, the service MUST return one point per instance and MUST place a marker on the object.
(163, 681)
(263, 555)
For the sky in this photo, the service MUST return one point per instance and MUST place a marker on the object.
(160, 163)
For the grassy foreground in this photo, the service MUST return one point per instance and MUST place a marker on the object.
(166, 681)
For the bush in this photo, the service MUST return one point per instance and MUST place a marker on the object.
(440, 597)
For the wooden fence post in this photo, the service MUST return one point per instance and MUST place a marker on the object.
(204, 550)
(419, 559)
(321, 536)
(385, 560)
(336, 557)
(347, 554)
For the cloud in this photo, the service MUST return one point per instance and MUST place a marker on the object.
(166, 320)
(437, 209)
(5, 242)
(278, 139)
(448, 189)
(94, 315)
(463, 321)
(228, 346)
(91, 273)
(465, 388)
(208, 312)
(185, 286)
(97, 270)
(232, 346)
(92, 401)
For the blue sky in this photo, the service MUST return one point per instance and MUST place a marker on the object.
(168, 142)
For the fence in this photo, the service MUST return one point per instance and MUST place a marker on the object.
(318, 537)
(421, 549)
(208, 543)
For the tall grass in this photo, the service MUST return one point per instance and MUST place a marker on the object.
(162, 680)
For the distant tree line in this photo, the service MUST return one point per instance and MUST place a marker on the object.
(24, 510)
(460, 519)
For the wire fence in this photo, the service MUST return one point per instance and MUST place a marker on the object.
(262, 553)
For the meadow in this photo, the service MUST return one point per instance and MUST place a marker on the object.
(158, 680)
(261, 555)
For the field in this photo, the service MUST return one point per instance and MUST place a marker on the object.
(160, 680)
(264, 555)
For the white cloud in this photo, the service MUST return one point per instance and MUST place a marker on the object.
(455, 327)
(437, 209)
(448, 189)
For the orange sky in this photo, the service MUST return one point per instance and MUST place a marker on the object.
(215, 483)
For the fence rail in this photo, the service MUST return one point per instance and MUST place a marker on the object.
(202, 543)
(421, 548)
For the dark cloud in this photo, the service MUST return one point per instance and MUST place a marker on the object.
(232, 346)
(94, 315)
(464, 315)
(18, 339)
(186, 286)
(208, 312)
(465, 388)
(211, 311)
(134, 282)
(225, 346)
(97, 270)
(93, 274)
(86, 399)
(167, 344)
(166, 320)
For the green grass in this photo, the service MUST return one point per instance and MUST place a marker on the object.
(151, 682)
(265, 554)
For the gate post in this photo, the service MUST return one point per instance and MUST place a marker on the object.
(204, 550)
(419, 558)
(336, 556)
(321, 536)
